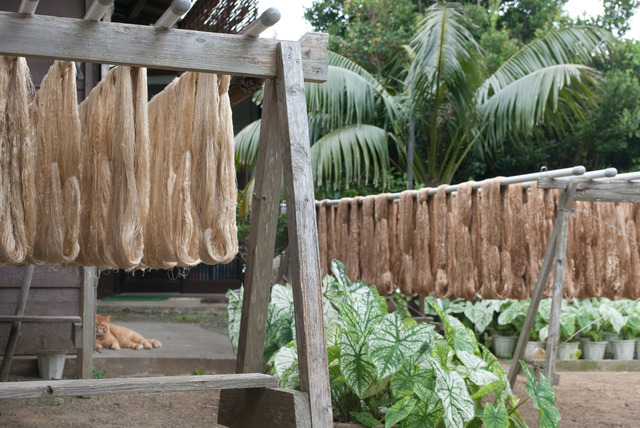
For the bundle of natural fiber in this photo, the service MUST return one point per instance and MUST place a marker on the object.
(368, 262)
(394, 246)
(332, 250)
(56, 134)
(569, 290)
(439, 250)
(383, 281)
(513, 251)
(321, 219)
(476, 239)
(405, 240)
(215, 182)
(589, 231)
(608, 268)
(623, 211)
(353, 246)
(342, 229)
(452, 260)
(465, 281)
(491, 239)
(551, 197)
(533, 232)
(632, 288)
(17, 163)
(423, 284)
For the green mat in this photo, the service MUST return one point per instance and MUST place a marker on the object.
(134, 298)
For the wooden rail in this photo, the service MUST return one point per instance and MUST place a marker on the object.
(40, 318)
(67, 388)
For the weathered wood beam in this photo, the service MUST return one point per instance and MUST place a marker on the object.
(270, 407)
(589, 190)
(84, 352)
(141, 385)
(303, 238)
(564, 206)
(40, 318)
(262, 237)
(146, 46)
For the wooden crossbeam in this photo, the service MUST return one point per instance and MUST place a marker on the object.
(589, 190)
(146, 46)
(141, 385)
(40, 318)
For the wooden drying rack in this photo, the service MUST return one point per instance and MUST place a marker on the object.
(248, 398)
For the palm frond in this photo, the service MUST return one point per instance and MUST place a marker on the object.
(350, 154)
(246, 145)
(441, 46)
(524, 103)
(565, 46)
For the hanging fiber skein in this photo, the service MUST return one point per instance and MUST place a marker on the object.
(405, 238)
(353, 254)
(423, 284)
(383, 280)
(464, 285)
(368, 262)
(214, 185)
(57, 135)
(491, 238)
(17, 190)
(439, 238)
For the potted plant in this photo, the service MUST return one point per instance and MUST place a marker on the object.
(592, 330)
(385, 368)
(615, 322)
(568, 348)
(510, 321)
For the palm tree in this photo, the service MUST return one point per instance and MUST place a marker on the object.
(457, 108)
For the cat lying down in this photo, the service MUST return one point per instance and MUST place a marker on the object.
(115, 336)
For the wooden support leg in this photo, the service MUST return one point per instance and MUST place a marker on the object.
(538, 291)
(15, 327)
(84, 355)
(303, 237)
(262, 238)
(267, 407)
(558, 281)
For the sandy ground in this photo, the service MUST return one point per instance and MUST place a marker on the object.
(585, 399)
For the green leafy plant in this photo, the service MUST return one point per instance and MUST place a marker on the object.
(98, 374)
(385, 368)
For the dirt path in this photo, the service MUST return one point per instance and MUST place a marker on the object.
(585, 399)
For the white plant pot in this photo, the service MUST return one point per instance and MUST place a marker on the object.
(638, 349)
(503, 346)
(609, 337)
(530, 347)
(51, 364)
(593, 350)
(568, 351)
(623, 349)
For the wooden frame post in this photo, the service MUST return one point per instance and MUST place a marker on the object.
(555, 254)
(262, 237)
(303, 235)
(566, 198)
(84, 355)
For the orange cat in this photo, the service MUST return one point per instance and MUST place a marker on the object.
(115, 336)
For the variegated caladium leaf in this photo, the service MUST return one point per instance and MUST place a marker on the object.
(358, 371)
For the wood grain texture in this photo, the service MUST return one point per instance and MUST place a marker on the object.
(84, 360)
(146, 46)
(564, 206)
(40, 318)
(589, 190)
(43, 277)
(262, 237)
(139, 385)
(303, 238)
(270, 407)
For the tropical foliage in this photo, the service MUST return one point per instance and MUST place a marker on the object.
(386, 368)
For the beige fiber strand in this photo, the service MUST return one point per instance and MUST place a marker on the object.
(423, 284)
(395, 259)
(353, 246)
(439, 239)
(464, 285)
(491, 238)
(368, 263)
(405, 237)
(342, 236)
(383, 282)
(321, 219)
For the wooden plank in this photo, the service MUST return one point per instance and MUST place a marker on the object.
(84, 359)
(21, 304)
(303, 238)
(146, 46)
(564, 206)
(262, 237)
(40, 318)
(43, 277)
(588, 190)
(139, 385)
(271, 407)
